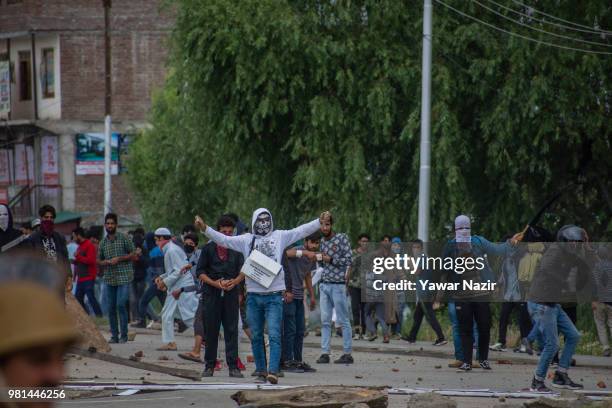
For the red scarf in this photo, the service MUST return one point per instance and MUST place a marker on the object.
(222, 253)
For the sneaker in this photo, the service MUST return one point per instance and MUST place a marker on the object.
(240, 365)
(484, 364)
(262, 379)
(464, 367)
(409, 339)
(208, 372)
(607, 353)
(562, 380)
(573, 362)
(324, 359)
(154, 326)
(396, 336)
(259, 373)
(498, 347)
(538, 386)
(272, 378)
(123, 340)
(386, 339)
(440, 342)
(113, 340)
(307, 368)
(291, 367)
(235, 373)
(528, 349)
(455, 364)
(139, 325)
(371, 337)
(344, 359)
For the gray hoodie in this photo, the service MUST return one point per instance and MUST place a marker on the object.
(272, 245)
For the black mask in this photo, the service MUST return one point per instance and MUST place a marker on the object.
(189, 248)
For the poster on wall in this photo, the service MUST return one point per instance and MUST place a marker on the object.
(5, 166)
(49, 164)
(5, 87)
(21, 165)
(4, 196)
(90, 154)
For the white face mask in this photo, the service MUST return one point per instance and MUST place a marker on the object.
(4, 218)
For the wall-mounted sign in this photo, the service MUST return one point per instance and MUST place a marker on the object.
(90, 153)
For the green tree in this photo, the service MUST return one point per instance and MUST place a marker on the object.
(304, 106)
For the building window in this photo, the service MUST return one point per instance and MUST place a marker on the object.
(25, 76)
(47, 73)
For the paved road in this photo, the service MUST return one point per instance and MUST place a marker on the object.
(395, 365)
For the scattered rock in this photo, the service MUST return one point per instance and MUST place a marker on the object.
(134, 358)
(358, 376)
(419, 379)
(131, 336)
(431, 400)
(163, 358)
(356, 405)
(141, 378)
(507, 362)
(95, 376)
(438, 366)
(502, 399)
(139, 354)
(601, 384)
(395, 370)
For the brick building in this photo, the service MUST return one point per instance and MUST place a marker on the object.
(52, 88)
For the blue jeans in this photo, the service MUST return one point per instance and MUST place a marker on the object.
(144, 309)
(293, 330)
(452, 313)
(333, 296)
(116, 301)
(262, 309)
(534, 334)
(86, 288)
(551, 320)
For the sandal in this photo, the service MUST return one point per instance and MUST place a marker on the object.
(190, 357)
(168, 347)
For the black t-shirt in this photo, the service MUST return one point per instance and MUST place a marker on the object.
(210, 264)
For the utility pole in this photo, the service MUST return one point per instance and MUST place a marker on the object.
(107, 108)
(425, 165)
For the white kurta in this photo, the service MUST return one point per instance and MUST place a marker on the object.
(185, 307)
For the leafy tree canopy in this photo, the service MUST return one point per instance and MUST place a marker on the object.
(302, 106)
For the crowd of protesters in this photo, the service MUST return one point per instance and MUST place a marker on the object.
(204, 287)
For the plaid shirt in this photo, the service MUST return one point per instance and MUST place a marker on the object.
(339, 249)
(123, 272)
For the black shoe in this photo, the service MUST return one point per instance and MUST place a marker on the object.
(272, 378)
(465, 367)
(139, 325)
(538, 386)
(408, 339)
(440, 342)
(113, 340)
(307, 368)
(258, 373)
(208, 372)
(324, 359)
(344, 359)
(235, 373)
(123, 340)
(573, 362)
(181, 326)
(562, 380)
(484, 364)
(292, 367)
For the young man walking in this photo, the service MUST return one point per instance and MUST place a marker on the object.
(264, 304)
(299, 263)
(336, 258)
(219, 271)
(86, 268)
(173, 278)
(115, 255)
(549, 282)
(354, 286)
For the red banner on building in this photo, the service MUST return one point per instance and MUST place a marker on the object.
(49, 163)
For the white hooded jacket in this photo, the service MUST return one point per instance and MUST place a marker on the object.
(272, 245)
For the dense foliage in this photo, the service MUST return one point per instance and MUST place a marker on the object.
(301, 106)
